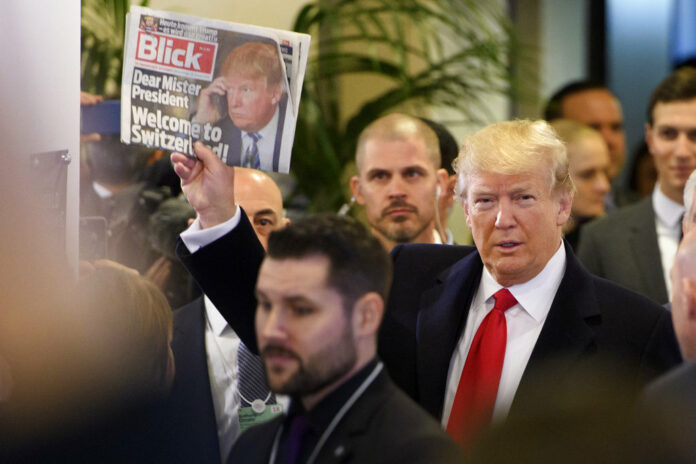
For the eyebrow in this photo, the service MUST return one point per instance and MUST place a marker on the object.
(265, 212)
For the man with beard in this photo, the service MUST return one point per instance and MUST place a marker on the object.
(320, 298)
(399, 180)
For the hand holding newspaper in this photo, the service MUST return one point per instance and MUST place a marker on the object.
(234, 87)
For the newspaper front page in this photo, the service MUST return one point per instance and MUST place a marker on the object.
(235, 87)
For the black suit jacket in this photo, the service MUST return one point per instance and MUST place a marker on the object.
(191, 409)
(623, 248)
(590, 318)
(384, 426)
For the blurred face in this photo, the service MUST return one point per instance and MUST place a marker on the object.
(684, 298)
(672, 142)
(305, 339)
(250, 104)
(261, 200)
(397, 184)
(600, 110)
(515, 221)
(589, 163)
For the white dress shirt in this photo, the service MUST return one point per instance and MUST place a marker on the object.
(524, 322)
(668, 215)
(266, 144)
(221, 344)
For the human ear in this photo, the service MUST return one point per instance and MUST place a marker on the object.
(356, 190)
(367, 314)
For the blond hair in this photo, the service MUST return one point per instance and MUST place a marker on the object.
(398, 127)
(254, 60)
(571, 132)
(514, 147)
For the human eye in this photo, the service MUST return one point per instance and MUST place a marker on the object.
(379, 175)
(525, 198)
(483, 203)
(413, 173)
(302, 309)
(691, 135)
(262, 304)
(617, 127)
(667, 133)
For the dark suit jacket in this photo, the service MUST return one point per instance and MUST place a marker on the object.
(590, 318)
(622, 247)
(674, 396)
(192, 413)
(384, 426)
(233, 136)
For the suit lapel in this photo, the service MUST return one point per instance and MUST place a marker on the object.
(649, 266)
(443, 313)
(566, 332)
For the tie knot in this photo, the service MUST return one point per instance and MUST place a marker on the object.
(255, 136)
(504, 300)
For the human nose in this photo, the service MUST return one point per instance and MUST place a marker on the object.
(396, 188)
(684, 147)
(233, 98)
(602, 184)
(270, 325)
(505, 217)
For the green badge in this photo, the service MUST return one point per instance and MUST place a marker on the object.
(250, 416)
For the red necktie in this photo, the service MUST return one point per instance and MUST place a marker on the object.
(478, 386)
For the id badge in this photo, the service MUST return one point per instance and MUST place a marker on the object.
(250, 416)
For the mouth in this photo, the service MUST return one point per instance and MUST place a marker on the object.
(398, 210)
(508, 245)
(277, 356)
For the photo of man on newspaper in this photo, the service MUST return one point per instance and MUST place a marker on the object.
(247, 101)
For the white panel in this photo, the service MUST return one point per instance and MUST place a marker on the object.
(40, 85)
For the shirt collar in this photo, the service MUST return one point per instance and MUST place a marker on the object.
(320, 416)
(536, 295)
(667, 211)
(218, 324)
(269, 129)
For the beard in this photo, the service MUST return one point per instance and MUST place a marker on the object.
(400, 229)
(320, 370)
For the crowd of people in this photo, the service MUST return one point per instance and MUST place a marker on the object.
(218, 331)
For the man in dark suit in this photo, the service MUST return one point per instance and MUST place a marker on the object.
(635, 246)
(205, 347)
(251, 82)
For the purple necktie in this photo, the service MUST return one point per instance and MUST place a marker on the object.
(298, 426)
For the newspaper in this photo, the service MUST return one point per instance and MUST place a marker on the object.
(235, 87)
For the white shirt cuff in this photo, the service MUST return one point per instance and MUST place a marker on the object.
(195, 238)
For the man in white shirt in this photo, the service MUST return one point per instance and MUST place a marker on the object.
(516, 191)
(206, 397)
(635, 247)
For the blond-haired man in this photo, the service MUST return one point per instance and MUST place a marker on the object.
(247, 102)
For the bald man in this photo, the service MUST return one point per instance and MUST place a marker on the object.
(205, 397)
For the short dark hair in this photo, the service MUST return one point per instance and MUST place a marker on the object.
(357, 262)
(449, 149)
(554, 107)
(678, 86)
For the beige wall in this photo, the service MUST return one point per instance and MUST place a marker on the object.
(268, 13)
